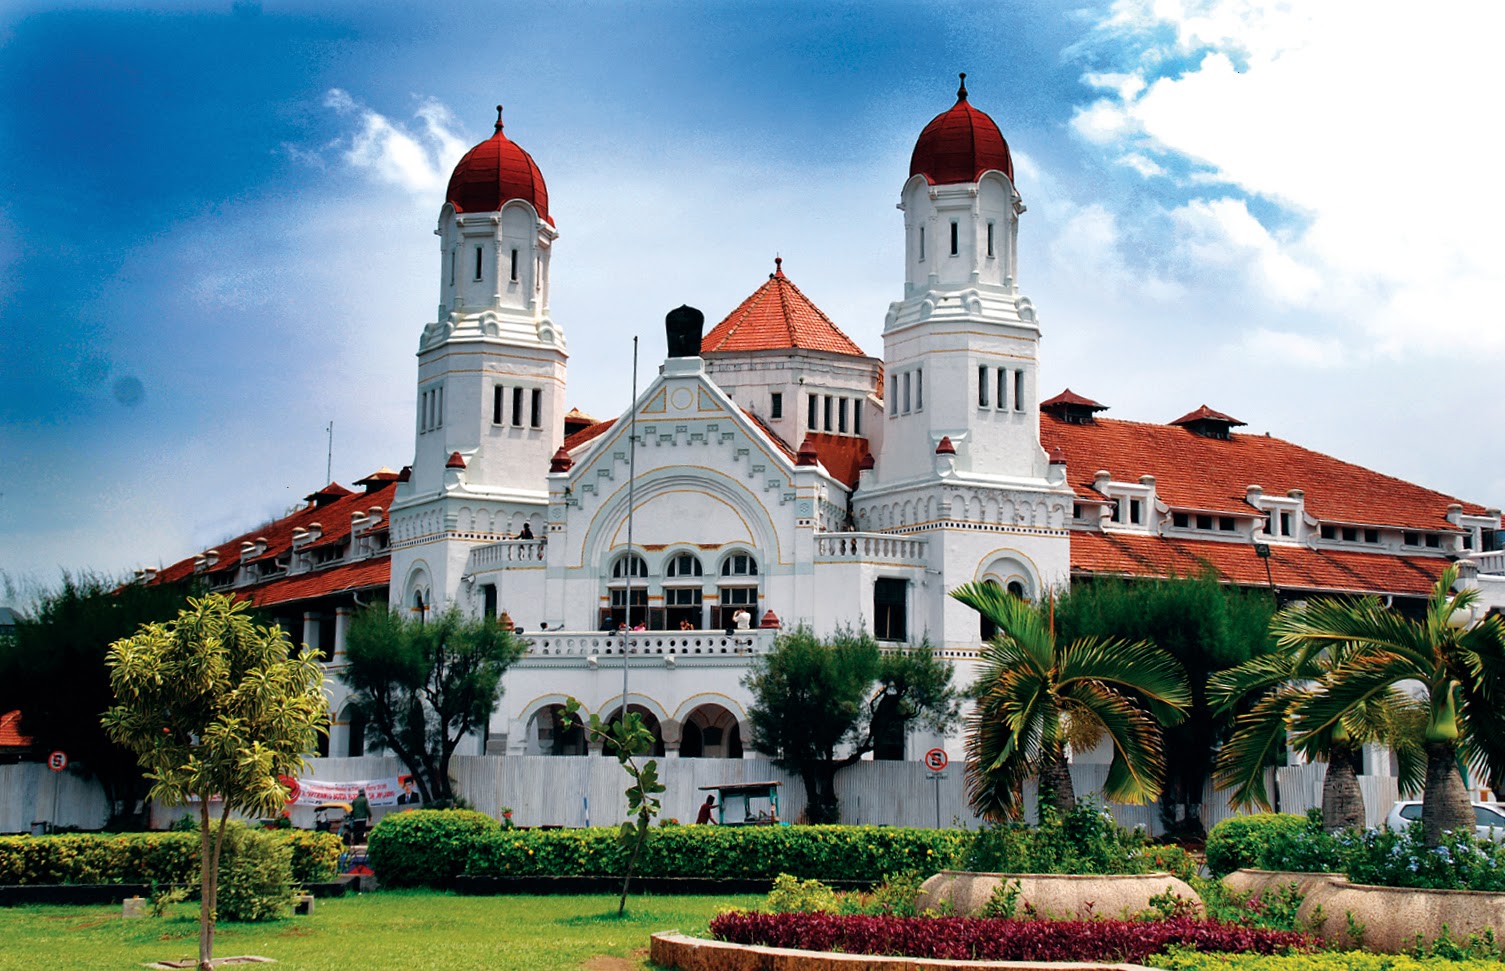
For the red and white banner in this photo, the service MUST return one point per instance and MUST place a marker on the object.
(395, 791)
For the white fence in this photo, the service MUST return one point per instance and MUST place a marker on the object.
(570, 791)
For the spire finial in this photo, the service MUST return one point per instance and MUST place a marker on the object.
(778, 265)
(499, 115)
(961, 92)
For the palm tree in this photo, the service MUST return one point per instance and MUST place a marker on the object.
(1034, 692)
(1284, 682)
(1460, 668)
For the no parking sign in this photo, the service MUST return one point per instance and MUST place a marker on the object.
(936, 760)
(57, 761)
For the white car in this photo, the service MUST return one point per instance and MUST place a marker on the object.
(1489, 818)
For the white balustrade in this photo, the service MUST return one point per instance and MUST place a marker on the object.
(682, 645)
(505, 553)
(869, 548)
(1491, 562)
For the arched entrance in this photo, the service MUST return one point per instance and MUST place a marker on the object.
(547, 734)
(650, 721)
(710, 732)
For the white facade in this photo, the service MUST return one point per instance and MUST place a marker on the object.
(726, 512)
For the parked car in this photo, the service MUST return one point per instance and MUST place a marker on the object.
(1489, 818)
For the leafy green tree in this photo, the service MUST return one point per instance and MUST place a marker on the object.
(629, 737)
(819, 707)
(1284, 682)
(215, 707)
(1036, 690)
(53, 670)
(1460, 668)
(1206, 625)
(424, 686)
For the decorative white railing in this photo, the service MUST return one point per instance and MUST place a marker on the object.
(505, 553)
(869, 548)
(1491, 562)
(679, 644)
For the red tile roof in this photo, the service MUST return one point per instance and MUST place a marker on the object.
(1204, 413)
(1070, 397)
(10, 731)
(778, 317)
(1291, 567)
(333, 518)
(494, 172)
(372, 573)
(1194, 472)
(587, 433)
(841, 455)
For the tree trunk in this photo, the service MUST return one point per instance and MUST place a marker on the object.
(1056, 790)
(1342, 800)
(820, 792)
(206, 895)
(1445, 804)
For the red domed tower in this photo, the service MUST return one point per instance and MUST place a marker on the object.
(491, 371)
(960, 348)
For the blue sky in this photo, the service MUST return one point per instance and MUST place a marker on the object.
(216, 236)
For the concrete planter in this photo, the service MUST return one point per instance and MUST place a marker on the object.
(1391, 918)
(1053, 894)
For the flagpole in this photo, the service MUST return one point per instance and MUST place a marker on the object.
(632, 478)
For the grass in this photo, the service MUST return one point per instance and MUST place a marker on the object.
(397, 930)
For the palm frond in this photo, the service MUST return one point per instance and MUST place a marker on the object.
(1138, 758)
(1226, 688)
(1362, 679)
(1257, 738)
(1141, 668)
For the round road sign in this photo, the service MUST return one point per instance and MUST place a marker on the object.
(936, 759)
(57, 761)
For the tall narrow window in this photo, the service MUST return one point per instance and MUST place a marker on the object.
(776, 405)
(1003, 388)
(479, 252)
(893, 395)
(908, 382)
(535, 411)
(856, 416)
(514, 266)
(990, 237)
(452, 267)
(919, 389)
(517, 407)
(1135, 510)
(810, 424)
(922, 242)
(982, 387)
(1019, 390)
(439, 406)
(496, 405)
(955, 238)
(826, 409)
(841, 415)
(890, 609)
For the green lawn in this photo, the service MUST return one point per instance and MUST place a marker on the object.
(397, 930)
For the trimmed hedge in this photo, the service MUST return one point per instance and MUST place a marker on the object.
(150, 858)
(991, 939)
(426, 847)
(862, 853)
(1241, 841)
(1324, 961)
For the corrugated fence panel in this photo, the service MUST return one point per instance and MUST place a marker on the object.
(30, 792)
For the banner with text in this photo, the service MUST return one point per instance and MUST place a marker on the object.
(395, 791)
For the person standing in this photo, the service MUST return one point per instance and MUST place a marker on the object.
(704, 816)
(360, 817)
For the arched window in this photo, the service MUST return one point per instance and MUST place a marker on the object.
(629, 565)
(683, 597)
(739, 565)
(684, 565)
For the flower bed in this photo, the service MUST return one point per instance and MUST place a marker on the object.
(974, 938)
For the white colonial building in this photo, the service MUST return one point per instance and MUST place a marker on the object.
(771, 466)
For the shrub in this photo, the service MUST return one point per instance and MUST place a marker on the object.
(255, 875)
(1167, 858)
(1085, 840)
(427, 847)
(316, 856)
(981, 938)
(1179, 959)
(151, 858)
(859, 853)
(1402, 859)
(1239, 841)
(791, 895)
(1273, 907)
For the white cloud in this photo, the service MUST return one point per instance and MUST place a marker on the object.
(1288, 348)
(417, 161)
(1364, 134)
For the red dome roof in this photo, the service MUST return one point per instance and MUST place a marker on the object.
(494, 172)
(959, 145)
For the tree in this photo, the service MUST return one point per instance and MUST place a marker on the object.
(424, 686)
(629, 738)
(53, 670)
(813, 700)
(1284, 682)
(1460, 668)
(215, 707)
(1208, 627)
(1035, 690)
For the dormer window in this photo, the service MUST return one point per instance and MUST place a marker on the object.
(1208, 423)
